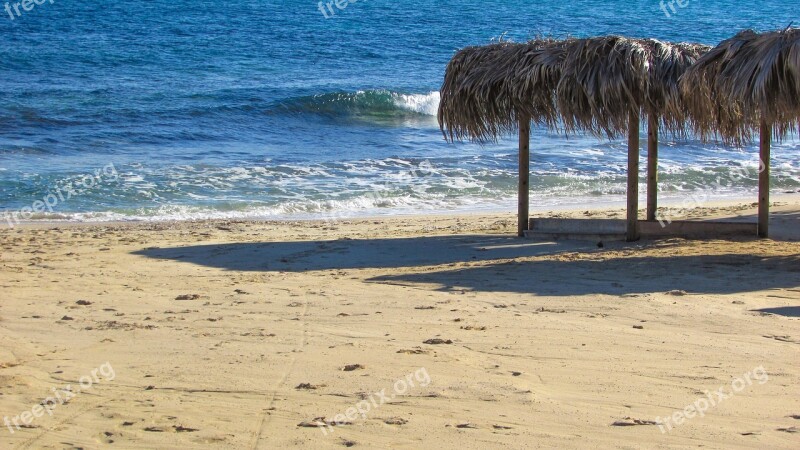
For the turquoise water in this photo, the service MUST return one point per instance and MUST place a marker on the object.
(262, 109)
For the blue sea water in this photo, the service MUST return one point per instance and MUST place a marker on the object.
(170, 109)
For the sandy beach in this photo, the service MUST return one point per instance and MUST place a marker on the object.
(411, 330)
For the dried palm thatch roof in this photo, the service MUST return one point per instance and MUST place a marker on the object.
(749, 78)
(487, 88)
(605, 79)
(588, 84)
(668, 62)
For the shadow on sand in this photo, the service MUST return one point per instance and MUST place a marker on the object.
(702, 274)
(360, 254)
(786, 311)
(556, 276)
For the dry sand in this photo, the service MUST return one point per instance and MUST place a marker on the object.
(232, 334)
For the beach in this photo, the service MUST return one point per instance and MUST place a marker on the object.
(398, 332)
(298, 224)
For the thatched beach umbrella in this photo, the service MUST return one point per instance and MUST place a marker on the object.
(664, 105)
(608, 82)
(748, 82)
(495, 89)
(486, 88)
(599, 85)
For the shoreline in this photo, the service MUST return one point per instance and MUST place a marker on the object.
(598, 210)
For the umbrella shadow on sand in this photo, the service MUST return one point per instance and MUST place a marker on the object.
(786, 311)
(695, 274)
(304, 256)
(491, 263)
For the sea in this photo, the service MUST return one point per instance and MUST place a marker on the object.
(270, 110)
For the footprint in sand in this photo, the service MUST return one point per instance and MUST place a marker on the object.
(631, 422)
(783, 339)
(395, 421)
(414, 351)
(106, 437)
(309, 386)
(320, 422)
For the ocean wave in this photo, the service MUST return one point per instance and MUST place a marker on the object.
(427, 104)
(378, 104)
(368, 103)
(381, 185)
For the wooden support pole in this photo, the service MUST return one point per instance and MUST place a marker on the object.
(632, 227)
(763, 181)
(652, 167)
(524, 174)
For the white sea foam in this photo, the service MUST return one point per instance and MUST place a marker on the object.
(427, 104)
(397, 183)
